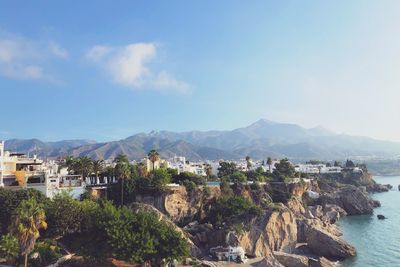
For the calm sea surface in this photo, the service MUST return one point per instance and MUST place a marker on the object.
(377, 241)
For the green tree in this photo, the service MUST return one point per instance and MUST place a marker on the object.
(160, 179)
(285, 168)
(64, 215)
(350, 164)
(269, 162)
(123, 172)
(232, 210)
(69, 163)
(29, 218)
(98, 167)
(9, 201)
(83, 166)
(208, 170)
(238, 178)
(225, 187)
(226, 168)
(139, 237)
(153, 157)
(248, 162)
(9, 248)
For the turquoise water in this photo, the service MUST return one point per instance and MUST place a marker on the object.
(377, 241)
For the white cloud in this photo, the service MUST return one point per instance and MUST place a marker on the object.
(98, 52)
(129, 66)
(22, 58)
(58, 51)
(31, 72)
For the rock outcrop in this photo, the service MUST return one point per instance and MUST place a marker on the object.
(330, 213)
(181, 206)
(350, 198)
(275, 231)
(325, 244)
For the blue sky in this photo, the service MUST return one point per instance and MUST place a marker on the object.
(105, 70)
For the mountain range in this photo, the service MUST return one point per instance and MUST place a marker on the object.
(259, 140)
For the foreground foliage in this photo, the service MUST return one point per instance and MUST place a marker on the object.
(95, 230)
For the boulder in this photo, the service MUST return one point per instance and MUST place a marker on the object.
(325, 244)
(291, 260)
(303, 226)
(381, 217)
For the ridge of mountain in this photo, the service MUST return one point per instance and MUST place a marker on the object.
(259, 140)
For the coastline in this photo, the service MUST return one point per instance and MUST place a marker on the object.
(375, 240)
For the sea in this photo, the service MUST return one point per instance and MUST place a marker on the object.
(377, 241)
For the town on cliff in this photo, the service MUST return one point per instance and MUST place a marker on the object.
(171, 212)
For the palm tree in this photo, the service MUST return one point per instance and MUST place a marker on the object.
(153, 157)
(123, 171)
(28, 220)
(248, 162)
(83, 166)
(97, 166)
(142, 170)
(69, 163)
(269, 162)
(109, 172)
(208, 169)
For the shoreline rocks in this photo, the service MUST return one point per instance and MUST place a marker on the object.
(351, 199)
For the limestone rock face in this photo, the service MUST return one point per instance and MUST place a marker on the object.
(325, 244)
(351, 199)
(296, 206)
(291, 260)
(303, 226)
(330, 213)
(276, 231)
(180, 206)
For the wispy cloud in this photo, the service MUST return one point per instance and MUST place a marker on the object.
(130, 66)
(57, 50)
(22, 58)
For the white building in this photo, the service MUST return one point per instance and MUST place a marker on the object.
(181, 165)
(315, 169)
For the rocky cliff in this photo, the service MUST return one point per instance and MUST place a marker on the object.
(301, 232)
(181, 206)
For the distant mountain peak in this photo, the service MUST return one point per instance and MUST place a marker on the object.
(265, 121)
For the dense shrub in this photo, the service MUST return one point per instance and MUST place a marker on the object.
(63, 215)
(9, 248)
(281, 196)
(228, 211)
(48, 251)
(136, 237)
(9, 201)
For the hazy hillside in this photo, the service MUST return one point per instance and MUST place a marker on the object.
(259, 140)
(44, 149)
